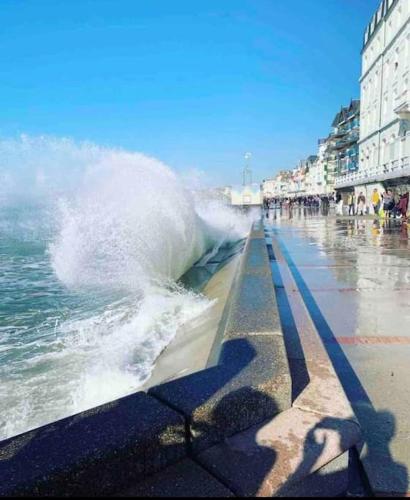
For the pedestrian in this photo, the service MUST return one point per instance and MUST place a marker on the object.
(388, 202)
(376, 201)
(404, 205)
(350, 202)
(339, 204)
(361, 203)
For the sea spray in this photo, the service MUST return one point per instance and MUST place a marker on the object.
(92, 243)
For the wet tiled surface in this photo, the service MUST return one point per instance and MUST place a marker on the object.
(354, 275)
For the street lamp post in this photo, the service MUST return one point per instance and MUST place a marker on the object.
(247, 170)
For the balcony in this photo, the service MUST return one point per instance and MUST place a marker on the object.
(349, 139)
(402, 105)
(390, 170)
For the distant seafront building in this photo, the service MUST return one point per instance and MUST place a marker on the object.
(323, 181)
(342, 152)
(384, 145)
(369, 142)
(308, 178)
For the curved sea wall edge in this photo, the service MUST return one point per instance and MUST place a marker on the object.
(108, 449)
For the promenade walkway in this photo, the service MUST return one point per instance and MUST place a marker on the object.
(354, 276)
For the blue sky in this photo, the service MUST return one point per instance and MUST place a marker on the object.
(195, 83)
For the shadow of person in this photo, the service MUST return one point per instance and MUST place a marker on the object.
(325, 442)
(263, 461)
(239, 461)
(385, 474)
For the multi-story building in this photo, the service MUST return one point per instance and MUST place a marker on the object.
(278, 186)
(323, 183)
(343, 148)
(310, 181)
(384, 145)
(297, 181)
(284, 180)
(270, 188)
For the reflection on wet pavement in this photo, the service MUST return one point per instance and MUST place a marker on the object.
(354, 275)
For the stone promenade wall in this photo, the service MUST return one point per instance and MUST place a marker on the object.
(108, 448)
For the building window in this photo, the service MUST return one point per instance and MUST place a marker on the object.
(396, 59)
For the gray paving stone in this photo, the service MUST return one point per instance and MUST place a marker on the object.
(94, 452)
(329, 481)
(254, 308)
(184, 479)
(251, 383)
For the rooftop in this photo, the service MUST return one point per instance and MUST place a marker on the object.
(381, 13)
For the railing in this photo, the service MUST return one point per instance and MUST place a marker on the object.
(393, 166)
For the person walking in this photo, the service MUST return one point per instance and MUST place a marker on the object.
(339, 204)
(350, 202)
(404, 205)
(361, 203)
(388, 202)
(376, 201)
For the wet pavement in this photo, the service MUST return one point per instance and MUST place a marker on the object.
(354, 276)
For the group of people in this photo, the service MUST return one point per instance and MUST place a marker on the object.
(312, 201)
(385, 204)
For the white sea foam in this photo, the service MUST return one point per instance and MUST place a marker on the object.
(123, 225)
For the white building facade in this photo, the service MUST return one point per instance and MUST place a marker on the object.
(323, 187)
(384, 144)
(270, 188)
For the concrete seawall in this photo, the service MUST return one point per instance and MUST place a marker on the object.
(175, 436)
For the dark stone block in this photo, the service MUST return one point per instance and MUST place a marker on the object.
(256, 258)
(185, 479)
(250, 384)
(94, 452)
(253, 308)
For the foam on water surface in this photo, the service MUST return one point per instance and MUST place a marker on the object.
(92, 241)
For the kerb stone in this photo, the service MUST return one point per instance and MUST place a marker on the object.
(251, 383)
(95, 452)
(254, 308)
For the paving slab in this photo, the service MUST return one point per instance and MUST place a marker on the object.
(254, 309)
(95, 452)
(383, 368)
(375, 278)
(185, 479)
(331, 480)
(268, 458)
(365, 328)
(365, 312)
(250, 384)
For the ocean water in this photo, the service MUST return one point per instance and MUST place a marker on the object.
(92, 243)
